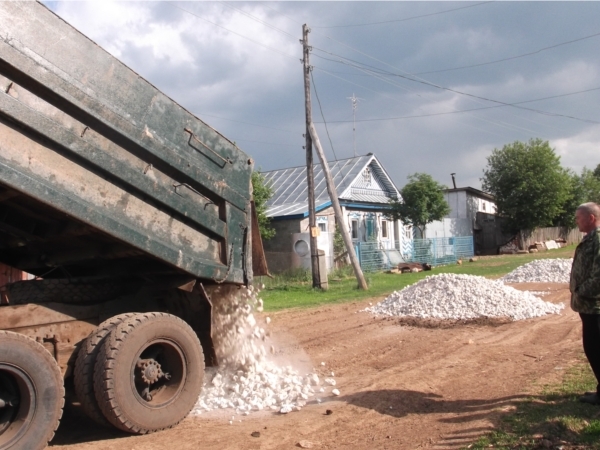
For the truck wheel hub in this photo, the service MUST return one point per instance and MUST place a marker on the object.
(150, 371)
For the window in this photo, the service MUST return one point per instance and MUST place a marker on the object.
(484, 206)
(408, 232)
(384, 229)
(367, 176)
(322, 227)
(354, 226)
(370, 223)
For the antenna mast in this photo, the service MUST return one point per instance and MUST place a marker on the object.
(354, 99)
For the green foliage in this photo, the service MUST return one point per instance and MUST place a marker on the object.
(262, 193)
(342, 273)
(583, 188)
(339, 246)
(590, 185)
(422, 202)
(566, 218)
(530, 186)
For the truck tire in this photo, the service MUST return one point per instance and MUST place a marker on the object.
(129, 382)
(84, 368)
(31, 387)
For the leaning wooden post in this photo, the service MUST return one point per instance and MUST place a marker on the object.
(362, 284)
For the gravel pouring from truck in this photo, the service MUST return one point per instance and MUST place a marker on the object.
(130, 212)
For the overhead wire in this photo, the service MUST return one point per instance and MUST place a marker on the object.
(421, 80)
(372, 71)
(266, 24)
(322, 115)
(467, 124)
(233, 32)
(259, 20)
(358, 65)
(246, 123)
(510, 57)
(376, 70)
(465, 110)
(482, 119)
(267, 143)
(404, 19)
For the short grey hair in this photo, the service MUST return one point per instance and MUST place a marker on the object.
(590, 208)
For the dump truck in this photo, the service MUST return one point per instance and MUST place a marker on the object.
(133, 218)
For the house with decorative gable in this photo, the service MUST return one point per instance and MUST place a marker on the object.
(364, 189)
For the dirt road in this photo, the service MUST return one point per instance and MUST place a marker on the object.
(402, 386)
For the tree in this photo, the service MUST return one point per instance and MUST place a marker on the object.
(422, 201)
(583, 188)
(590, 183)
(575, 198)
(338, 242)
(530, 187)
(262, 193)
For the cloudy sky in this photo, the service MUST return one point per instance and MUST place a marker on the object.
(438, 85)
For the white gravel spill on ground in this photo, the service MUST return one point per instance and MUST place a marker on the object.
(451, 296)
(541, 271)
(248, 378)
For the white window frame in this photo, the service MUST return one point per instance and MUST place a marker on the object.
(385, 229)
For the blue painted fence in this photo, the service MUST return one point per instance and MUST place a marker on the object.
(376, 255)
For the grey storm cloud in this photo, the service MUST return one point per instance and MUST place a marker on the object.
(413, 66)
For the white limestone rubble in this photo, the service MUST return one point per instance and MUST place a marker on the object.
(247, 378)
(541, 271)
(452, 296)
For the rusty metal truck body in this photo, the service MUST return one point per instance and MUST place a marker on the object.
(132, 215)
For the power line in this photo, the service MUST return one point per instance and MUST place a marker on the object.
(265, 4)
(233, 32)
(504, 124)
(247, 123)
(466, 110)
(322, 115)
(359, 65)
(259, 20)
(510, 57)
(266, 143)
(405, 19)
(421, 80)
(475, 117)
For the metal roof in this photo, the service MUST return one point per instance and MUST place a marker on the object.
(473, 191)
(290, 196)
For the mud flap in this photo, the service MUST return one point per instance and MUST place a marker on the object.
(259, 262)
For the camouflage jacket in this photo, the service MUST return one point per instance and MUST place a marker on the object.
(585, 275)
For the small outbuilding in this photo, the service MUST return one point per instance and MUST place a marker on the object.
(472, 213)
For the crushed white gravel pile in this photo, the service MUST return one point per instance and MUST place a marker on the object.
(541, 271)
(451, 296)
(248, 377)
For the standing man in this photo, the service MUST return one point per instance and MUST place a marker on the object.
(585, 289)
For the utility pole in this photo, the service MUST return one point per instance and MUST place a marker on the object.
(310, 179)
(362, 283)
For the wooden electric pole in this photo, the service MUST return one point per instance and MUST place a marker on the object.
(310, 179)
(362, 283)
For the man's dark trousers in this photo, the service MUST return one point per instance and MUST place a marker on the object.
(591, 343)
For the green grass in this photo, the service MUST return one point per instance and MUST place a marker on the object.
(294, 289)
(552, 419)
